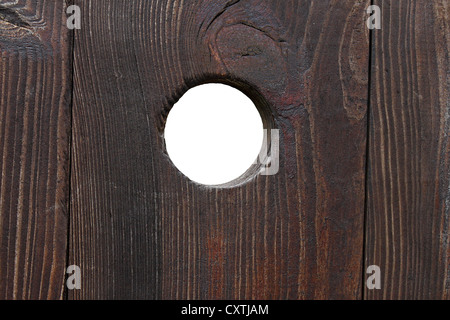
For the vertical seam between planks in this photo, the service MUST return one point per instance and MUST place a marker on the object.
(367, 165)
(69, 205)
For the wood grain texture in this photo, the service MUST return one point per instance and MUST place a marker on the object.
(35, 93)
(409, 186)
(140, 229)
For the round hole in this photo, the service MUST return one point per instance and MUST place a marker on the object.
(214, 134)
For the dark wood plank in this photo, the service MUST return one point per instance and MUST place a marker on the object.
(409, 193)
(35, 94)
(139, 229)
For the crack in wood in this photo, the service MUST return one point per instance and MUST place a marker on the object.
(221, 12)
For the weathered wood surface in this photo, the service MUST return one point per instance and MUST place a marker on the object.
(139, 229)
(35, 93)
(408, 180)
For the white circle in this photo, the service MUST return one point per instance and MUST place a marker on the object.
(214, 134)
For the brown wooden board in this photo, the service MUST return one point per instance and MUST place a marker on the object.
(140, 229)
(35, 94)
(408, 178)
